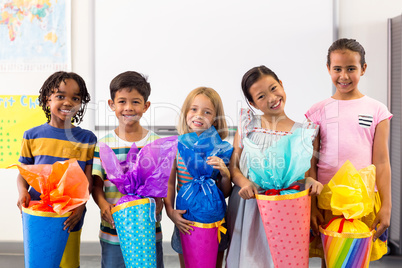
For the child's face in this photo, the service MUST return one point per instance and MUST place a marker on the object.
(64, 103)
(268, 96)
(201, 114)
(128, 106)
(345, 70)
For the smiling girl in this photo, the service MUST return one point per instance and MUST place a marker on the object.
(201, 110)
(263, 91)
(353, 127)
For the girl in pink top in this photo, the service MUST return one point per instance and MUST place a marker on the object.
(352, 127)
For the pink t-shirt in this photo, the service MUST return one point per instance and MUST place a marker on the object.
(347, 129)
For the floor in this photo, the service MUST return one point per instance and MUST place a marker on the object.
(11, 256)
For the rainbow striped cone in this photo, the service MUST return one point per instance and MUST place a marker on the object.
(135, 224)
(44, 238)
(200, 249)
(286, 220)
(346, 249)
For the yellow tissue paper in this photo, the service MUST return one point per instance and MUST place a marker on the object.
(350, 192)
(347, 226)
(324, 199)
(347, 241)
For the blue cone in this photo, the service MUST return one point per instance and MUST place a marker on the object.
(44, 238)
(135, 224)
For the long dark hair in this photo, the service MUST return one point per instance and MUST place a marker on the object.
(252, 76)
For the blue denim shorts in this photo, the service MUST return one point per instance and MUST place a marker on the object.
(113, 258)
(176, 242)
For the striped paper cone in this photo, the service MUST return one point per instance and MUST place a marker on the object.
(44, 238)
(346, 249)
(286, 220)
(200, 249)
(135, 225)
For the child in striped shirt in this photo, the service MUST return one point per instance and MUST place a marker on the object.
(201, 110)
(63, 97)
(129, 92)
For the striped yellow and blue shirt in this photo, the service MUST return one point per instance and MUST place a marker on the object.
(121, 148)
(45, 144)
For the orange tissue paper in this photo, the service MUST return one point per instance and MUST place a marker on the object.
(63, 185)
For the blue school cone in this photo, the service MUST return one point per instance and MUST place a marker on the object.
(44, 238)
(135, 225)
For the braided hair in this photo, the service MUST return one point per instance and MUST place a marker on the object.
(52, 85)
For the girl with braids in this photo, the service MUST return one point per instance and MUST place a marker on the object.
(63, 97)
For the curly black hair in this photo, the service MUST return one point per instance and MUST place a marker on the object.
(52, 85)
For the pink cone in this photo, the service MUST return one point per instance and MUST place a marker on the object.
(286, 221)
(200, 249)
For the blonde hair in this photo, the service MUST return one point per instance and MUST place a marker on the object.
(219, 123)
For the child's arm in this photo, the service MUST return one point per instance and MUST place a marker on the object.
(315, 186)
(159, 205)
(99, 197)
(76, 215)
(316, 218)
(225, 184)
(175, 215)
(383, 177)
(88, 173)
(24, 198)
(248, 188)
(74, 218)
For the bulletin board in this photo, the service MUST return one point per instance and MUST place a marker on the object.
(182, 44)
(18, 113)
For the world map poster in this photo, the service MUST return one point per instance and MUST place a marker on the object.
(35, 35)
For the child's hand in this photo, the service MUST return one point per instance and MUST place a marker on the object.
(316, 219)
(249, 190)
(182, 224)
(315, 186)
(74, 218)
(383, 218)
(159, 205)
(23, 199)
(217, 163)
(106, 213)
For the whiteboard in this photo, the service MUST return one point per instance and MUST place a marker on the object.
(184, 44)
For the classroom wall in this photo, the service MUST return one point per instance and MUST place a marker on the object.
(364, 20)
(213, 40)
(30, 83)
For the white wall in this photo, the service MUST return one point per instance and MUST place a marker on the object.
(364, 20)
(30, 83)
(209, 43)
